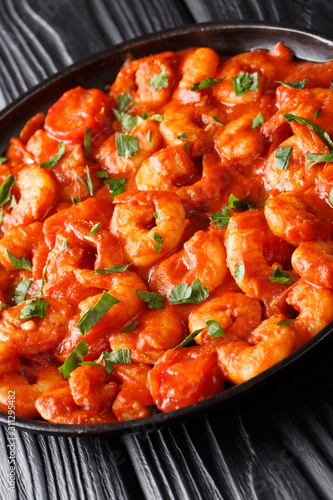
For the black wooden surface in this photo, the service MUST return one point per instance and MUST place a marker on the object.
(276, 444)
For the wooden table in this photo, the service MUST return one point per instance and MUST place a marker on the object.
(276, 444)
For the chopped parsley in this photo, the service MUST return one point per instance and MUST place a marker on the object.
(159, 241)
(258, 120)
(245, 82)
(160, 81)
(5, 189)
(88, 184)
(239, 272)
(316, 128)
(285, 322)
(115, 269)
(299, 85)
(207, 83)
(40, 293)
(116, 186)
(186, 294)
(21, 291)
(74, 359)
(316, 114)
(215, 118)
(282, 157)
(3, 159)
(130, 328)
(63, 245)
(23, 263)
(87, 140)
(153, 299)
(53, 161)
(94, 229)
(123, 101)
(330, 198)
(281, 277)
(127, 145)
(317, 158)
(34, 308)
(96, 312)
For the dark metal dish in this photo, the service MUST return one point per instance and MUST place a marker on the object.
(101, 69)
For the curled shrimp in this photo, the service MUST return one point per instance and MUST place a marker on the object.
(268, 344)
(37, 194)
(299, 217)
(165, 170)
(203, 257)
(250, 247)
(156, 331)
(122, 286)
(315, 307)
(199, 65)
(236, 313)
(135, 79)
(107, 152)
(196, 125)
(313, 260)
(27, 387)
(35, 335)
(135, 212)
(296, 177)
(86, 399)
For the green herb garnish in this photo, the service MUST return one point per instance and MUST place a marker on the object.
(258, 120)
(74, 359)
(5, 189)
(23, 263)
(316, 128)
(186, 294)
(282, 157)
(153, 299)
(299, 85)
(53, 161)
(239, 272)
(207, 83)
(281, 277)
(34, 308)
(96, 312)
(127, 145)
(160, 81)
(245, 82)
(94, 229)
(21, 291)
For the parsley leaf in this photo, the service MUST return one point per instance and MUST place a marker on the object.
(258, 120)
(102, 174)
(239, 272)
(221, 218)
(188, 339)
(317, 113)
(316, 158)
(64, 245)
(186, 294)
(157, 214)
(186, 144)
(160, 81)
(214, 329)
(285, 322)
(116, 186)
(281, 277)
(299, 85)
(282, 157)
(21, 291)
(118, 356)
(94, 229)
(75, 200)
(23, 263)
(330, 197)
(245, 82)
(316, 128)
(154, 299)
(159, 241)
(207, 83)
(53, 161)
(236, 204)
(182, 136)
(149, 135)
(88, 184)
(115, 269)
(34, 308)
(127, 121)
(95, 313)
(123, 101)
(40, 293)
(217, 120)
(156, 117)
(130, 328)
(87, 140)
(127, 145)
(12, 203)
(5, 189)
(3, 159)
(74, 359)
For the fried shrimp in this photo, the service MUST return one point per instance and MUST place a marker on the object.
(268, 344)
(203, 257)
(246, 238)
(315, 307)
(136, 212)
(37, 194)
(299, 217)
(236, 313)
(313, 260)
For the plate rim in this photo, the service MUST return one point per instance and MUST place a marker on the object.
(232, 395)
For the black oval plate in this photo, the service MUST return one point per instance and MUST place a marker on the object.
(100, 70)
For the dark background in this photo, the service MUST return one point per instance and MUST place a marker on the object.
(277, 444)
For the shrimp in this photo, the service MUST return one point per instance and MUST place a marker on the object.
(199, 65)
(135, 79)
(237, 143)
(184, 376)
(203, 257)
(236, 313)
(315, 307)
(299, 217)
(166, 170)
(37, 189)
(268, 344)
(249, 247)
(26, 391)
(313, 260)
(24, 241)
(296, 177)
(122, 286)
(108, 156)
(36, 334)
(135, 212)
(195, 125)
(156, 331)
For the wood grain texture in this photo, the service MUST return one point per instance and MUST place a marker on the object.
(275, 445)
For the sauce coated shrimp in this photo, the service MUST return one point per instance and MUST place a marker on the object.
(203, 257)
(247, 236)
(268, 344)
(236, 313)
(315, 307)
(37, 194)
(133, 215)
(313, 260)
(299, 217)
